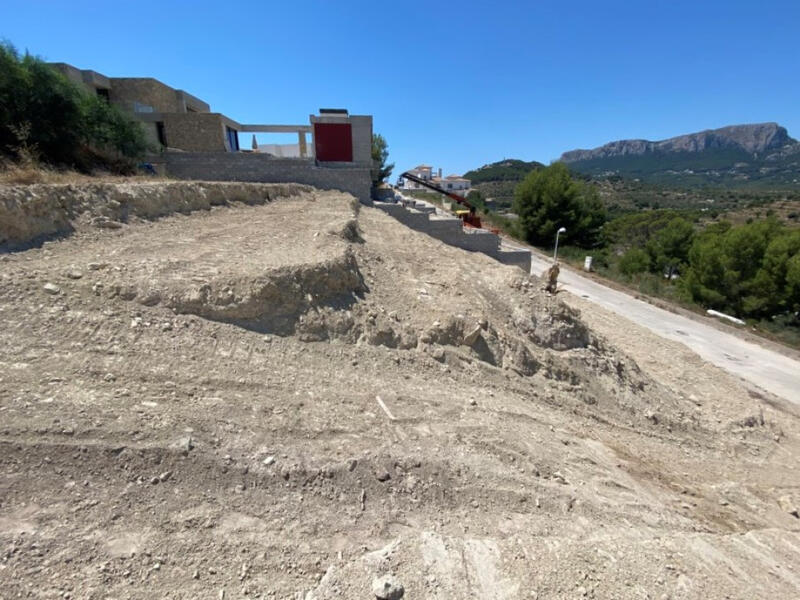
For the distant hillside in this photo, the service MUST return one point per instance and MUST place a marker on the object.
(760, 155)
(504, 170)
(497, 180)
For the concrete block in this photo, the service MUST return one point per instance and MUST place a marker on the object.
(519, 258)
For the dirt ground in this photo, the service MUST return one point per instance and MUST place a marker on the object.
(291, 400)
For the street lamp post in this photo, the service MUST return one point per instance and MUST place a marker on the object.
(555, 252)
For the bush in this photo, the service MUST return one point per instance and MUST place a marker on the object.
(634, 261)
(45, 116)
(550, 198)
(752, 270)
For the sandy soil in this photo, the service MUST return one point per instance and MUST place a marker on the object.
(290, 400)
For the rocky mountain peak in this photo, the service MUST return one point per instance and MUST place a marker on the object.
(753, 138)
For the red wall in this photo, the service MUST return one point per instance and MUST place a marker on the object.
(333, 142)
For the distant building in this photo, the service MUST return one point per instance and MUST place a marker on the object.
(454, 183)
(422, 171)
(451, 183)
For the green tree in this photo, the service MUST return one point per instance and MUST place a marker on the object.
(107, 127)
(634, 261)
(42, 111)
(381, 170)
(793, 283)
(747, 270)
(41, 102)
(669, 246)
(550, 198)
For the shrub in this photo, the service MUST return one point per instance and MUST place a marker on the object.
(45, 116)
(550, 198)
(634, 261)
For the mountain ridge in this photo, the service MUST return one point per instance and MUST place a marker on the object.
(751, 138)
(752, 155)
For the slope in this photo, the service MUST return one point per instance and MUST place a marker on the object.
(415, 409)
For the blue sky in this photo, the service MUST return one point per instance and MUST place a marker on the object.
(455, 85)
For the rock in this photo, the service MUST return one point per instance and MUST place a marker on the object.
(472, 337)
(473, 402)
(154, 480)
(788, 505)
(352, 464)
(165, 475)
(51, 288)
(106, 223)
(387, 588)
(269, 460)
(150, 298)
(73, 274)
(184, 445)
(383, 476)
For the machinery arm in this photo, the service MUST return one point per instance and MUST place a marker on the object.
(436, 188)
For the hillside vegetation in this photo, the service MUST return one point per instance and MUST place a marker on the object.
(745, 156)
(735, 250)
(45, 118)
(496, 181)
(505, 170)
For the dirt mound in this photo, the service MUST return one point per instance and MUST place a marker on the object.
(295, 399)
(30, 214)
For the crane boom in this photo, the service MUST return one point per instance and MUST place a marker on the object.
(471, 218)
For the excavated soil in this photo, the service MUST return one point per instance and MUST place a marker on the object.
(292, 399)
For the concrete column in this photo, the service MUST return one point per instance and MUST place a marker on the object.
(301, 141)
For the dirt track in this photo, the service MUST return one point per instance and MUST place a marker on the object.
(273, 402)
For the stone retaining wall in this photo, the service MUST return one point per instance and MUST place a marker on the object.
(255, 167)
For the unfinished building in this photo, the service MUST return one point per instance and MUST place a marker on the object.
(195, 143)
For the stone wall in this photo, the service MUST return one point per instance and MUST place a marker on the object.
(451, 231)
(127, 90)
(195, 132)
(247, 166)
(362, 138)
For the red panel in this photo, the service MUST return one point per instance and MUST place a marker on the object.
(333, 142)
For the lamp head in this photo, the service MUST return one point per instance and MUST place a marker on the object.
(562, 230)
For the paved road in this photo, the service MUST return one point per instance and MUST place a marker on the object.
(765, 368)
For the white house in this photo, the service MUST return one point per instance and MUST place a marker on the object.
(451, 183)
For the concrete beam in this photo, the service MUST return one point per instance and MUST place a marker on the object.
(301, 143)
(274, 128)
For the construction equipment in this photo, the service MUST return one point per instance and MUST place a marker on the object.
(468, 216)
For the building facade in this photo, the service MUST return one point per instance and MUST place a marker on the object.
(176, 120)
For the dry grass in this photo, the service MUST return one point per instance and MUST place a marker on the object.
(28, 172)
